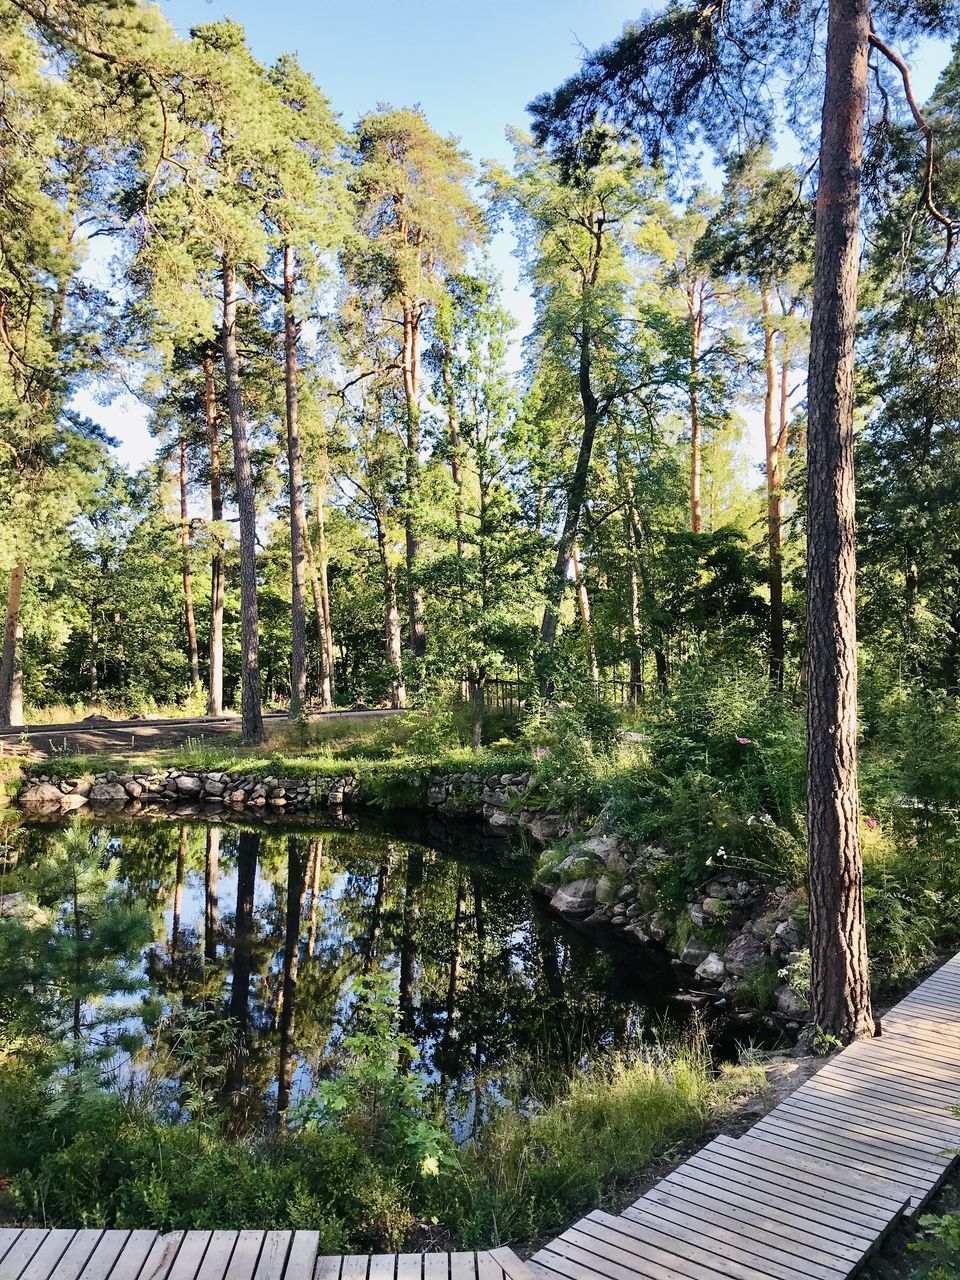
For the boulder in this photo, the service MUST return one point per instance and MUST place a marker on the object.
(500, 818)
(108, 793)
(712, 969)
(744, 955)
(712, 906)
(578, 898)
(790, 1003)
(606, 890)
(189, 785)
(694, 953)
(659, 926)
(214, 787)
(133, 789)
(42, 796)
(73, 801)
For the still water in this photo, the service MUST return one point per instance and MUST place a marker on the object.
(159, 945)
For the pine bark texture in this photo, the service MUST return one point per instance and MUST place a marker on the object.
(11, 676)
(250, 709)
(411, 338)
(298, 517)
(840, 978)
(218, 564)
(772, 441)
(187, 572)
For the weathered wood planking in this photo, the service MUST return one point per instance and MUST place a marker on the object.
(227, 1255)
(807, 1194)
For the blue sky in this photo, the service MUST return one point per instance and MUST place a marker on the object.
(472, 65)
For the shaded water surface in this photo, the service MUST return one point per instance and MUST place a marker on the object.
(192, 956)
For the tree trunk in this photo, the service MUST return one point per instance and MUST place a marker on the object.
(840, 982)
(242, 969)
(633, 584)
(583, 599)
(411, 328)
(391, 620)
(696, 431)
(298, 517)
(218, 562)
(771, 435)
(211, 876)
(178, 891)
(187, 572)
(408, 943)
(296, 892)
(315, 591)
(11, 675)
(251, 713)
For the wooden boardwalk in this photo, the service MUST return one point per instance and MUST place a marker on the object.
(807, 1194)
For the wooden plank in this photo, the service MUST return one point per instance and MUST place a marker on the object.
(436, 1266)
(217, 1257)
(463, 1266)
(893, 1080)
(917, 1168)
(767, 1192)
(409, 1266)
(383, 1266)
(838, 1118)
(353, 1266)
(77, 1254)
(822, 1177)
(777, 1220)
(45, 1259)
(689, 1241)
(488, 1268)
(656, 1246)
(186, 1265)
(510, 1264)
(20, 1252)
(273, 1255)
(120, 1255)
(161, 1256)
(576, 1263)
(7, 1237)
(877, 1102)
(764, 1253)
(327, 1268)
(303, 1255)
(246, 1254)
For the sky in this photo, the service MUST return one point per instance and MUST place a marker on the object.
(472, 65)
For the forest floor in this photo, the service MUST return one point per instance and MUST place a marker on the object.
(102, 736)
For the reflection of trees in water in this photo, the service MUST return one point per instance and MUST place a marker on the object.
(494, 995)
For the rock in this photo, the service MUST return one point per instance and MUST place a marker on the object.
(694, 953)
(712, 906)
(659, 926)
(606, 890)
(188, 785)
(545, 827)
(500, 818)
(214, 787)
(698, 916)
(789, 936)
(108, 793)
(790, 1003)
(712, 969)
(82, 787)
(636, 932)
(73, 801)
(41, 796)
(717, 889)
(133, 789)
(578, 898)
(744, 955)
(764, 926)
(237, 797)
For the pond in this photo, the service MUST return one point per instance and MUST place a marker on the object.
(181, 955)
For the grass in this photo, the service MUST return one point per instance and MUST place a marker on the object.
(530, 1174)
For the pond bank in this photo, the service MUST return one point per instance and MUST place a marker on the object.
(736, 940)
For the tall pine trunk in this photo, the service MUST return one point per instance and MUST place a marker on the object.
(186, 570)
(298, 516)
(296, 893)
(218, 561)
(771, 435)
(840, 983)
(586, 616)
(410, 355)
(696, 429)
(211, 878)
(251, 713)
(391, 619)
(11, 675)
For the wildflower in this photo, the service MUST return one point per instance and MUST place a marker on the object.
(744, 741)
(870, 822)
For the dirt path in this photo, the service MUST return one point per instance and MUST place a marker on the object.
(105, 737)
